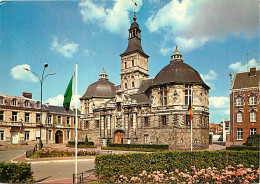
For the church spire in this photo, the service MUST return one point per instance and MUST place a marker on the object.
(103, 75)
(176, 56)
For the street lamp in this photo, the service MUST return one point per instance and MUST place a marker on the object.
(41, 81)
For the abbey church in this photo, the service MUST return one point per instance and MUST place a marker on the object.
(143, 110)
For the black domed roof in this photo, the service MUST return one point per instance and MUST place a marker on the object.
(103, 88)
(178, 72)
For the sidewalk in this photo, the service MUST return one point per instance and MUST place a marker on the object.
(87, 178)
(23, 158)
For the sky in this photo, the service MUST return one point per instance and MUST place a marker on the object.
(215, 37)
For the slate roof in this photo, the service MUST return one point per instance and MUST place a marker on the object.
(103, 88)
(145, 84)
(134, 45)
(141, 98)
(244, 80)
(178, 72)
(20, 100)
(61, 110)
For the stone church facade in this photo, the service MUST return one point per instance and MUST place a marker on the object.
(143, 110)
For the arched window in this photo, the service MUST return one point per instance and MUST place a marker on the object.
(125, 85)
(239, 117)
(133, 84)
(253, 116)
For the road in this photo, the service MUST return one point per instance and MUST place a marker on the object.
(51, 171)
(7, 154)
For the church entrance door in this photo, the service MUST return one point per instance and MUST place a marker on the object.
(119, 135)
(59, 137)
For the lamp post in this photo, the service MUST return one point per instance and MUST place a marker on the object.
(41, 81)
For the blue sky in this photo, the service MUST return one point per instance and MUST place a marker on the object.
(214, 37)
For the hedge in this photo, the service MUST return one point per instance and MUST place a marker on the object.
(130, 165)
(16, 173)
(145, 146)
(131, 149)
(72, 143)
(242, 148)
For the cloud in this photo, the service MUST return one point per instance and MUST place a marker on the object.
(192, 24)
(19, 73)
(238, 67)
(64, 48)
(212, 75)
(209, 77)
(89, 53)
(115, 19)
(219, 102)
(58, 100)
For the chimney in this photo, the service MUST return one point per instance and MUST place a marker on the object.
(27, 95)
(252, 71)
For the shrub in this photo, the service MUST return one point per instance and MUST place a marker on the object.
(72, 143)
(242, 148)
(107, 166)
(253, 140)
(16, 173)
(81, 146)
(131, 149)
(59, 152)
(145, 146)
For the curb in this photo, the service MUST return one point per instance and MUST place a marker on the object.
(49, 161)
(56, 161)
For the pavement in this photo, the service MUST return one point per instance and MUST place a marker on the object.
(47, 164)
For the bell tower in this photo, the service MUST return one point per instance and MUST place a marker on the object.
(134, 61)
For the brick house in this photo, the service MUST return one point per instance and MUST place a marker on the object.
(244, 107)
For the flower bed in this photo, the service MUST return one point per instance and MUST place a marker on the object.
(110, 165)
(230, 174)
(59, 152)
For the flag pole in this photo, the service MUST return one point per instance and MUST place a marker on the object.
(191, 114)
(76, 122)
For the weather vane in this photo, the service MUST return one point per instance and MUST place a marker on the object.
(135, 5)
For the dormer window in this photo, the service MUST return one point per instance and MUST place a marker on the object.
(1, 101)
(38, 105)
(27, 103)
(14, 102)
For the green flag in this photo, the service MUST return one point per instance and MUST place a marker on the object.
(68, 95)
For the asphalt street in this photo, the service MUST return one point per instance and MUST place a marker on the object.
(43, 172)
(7, 154)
